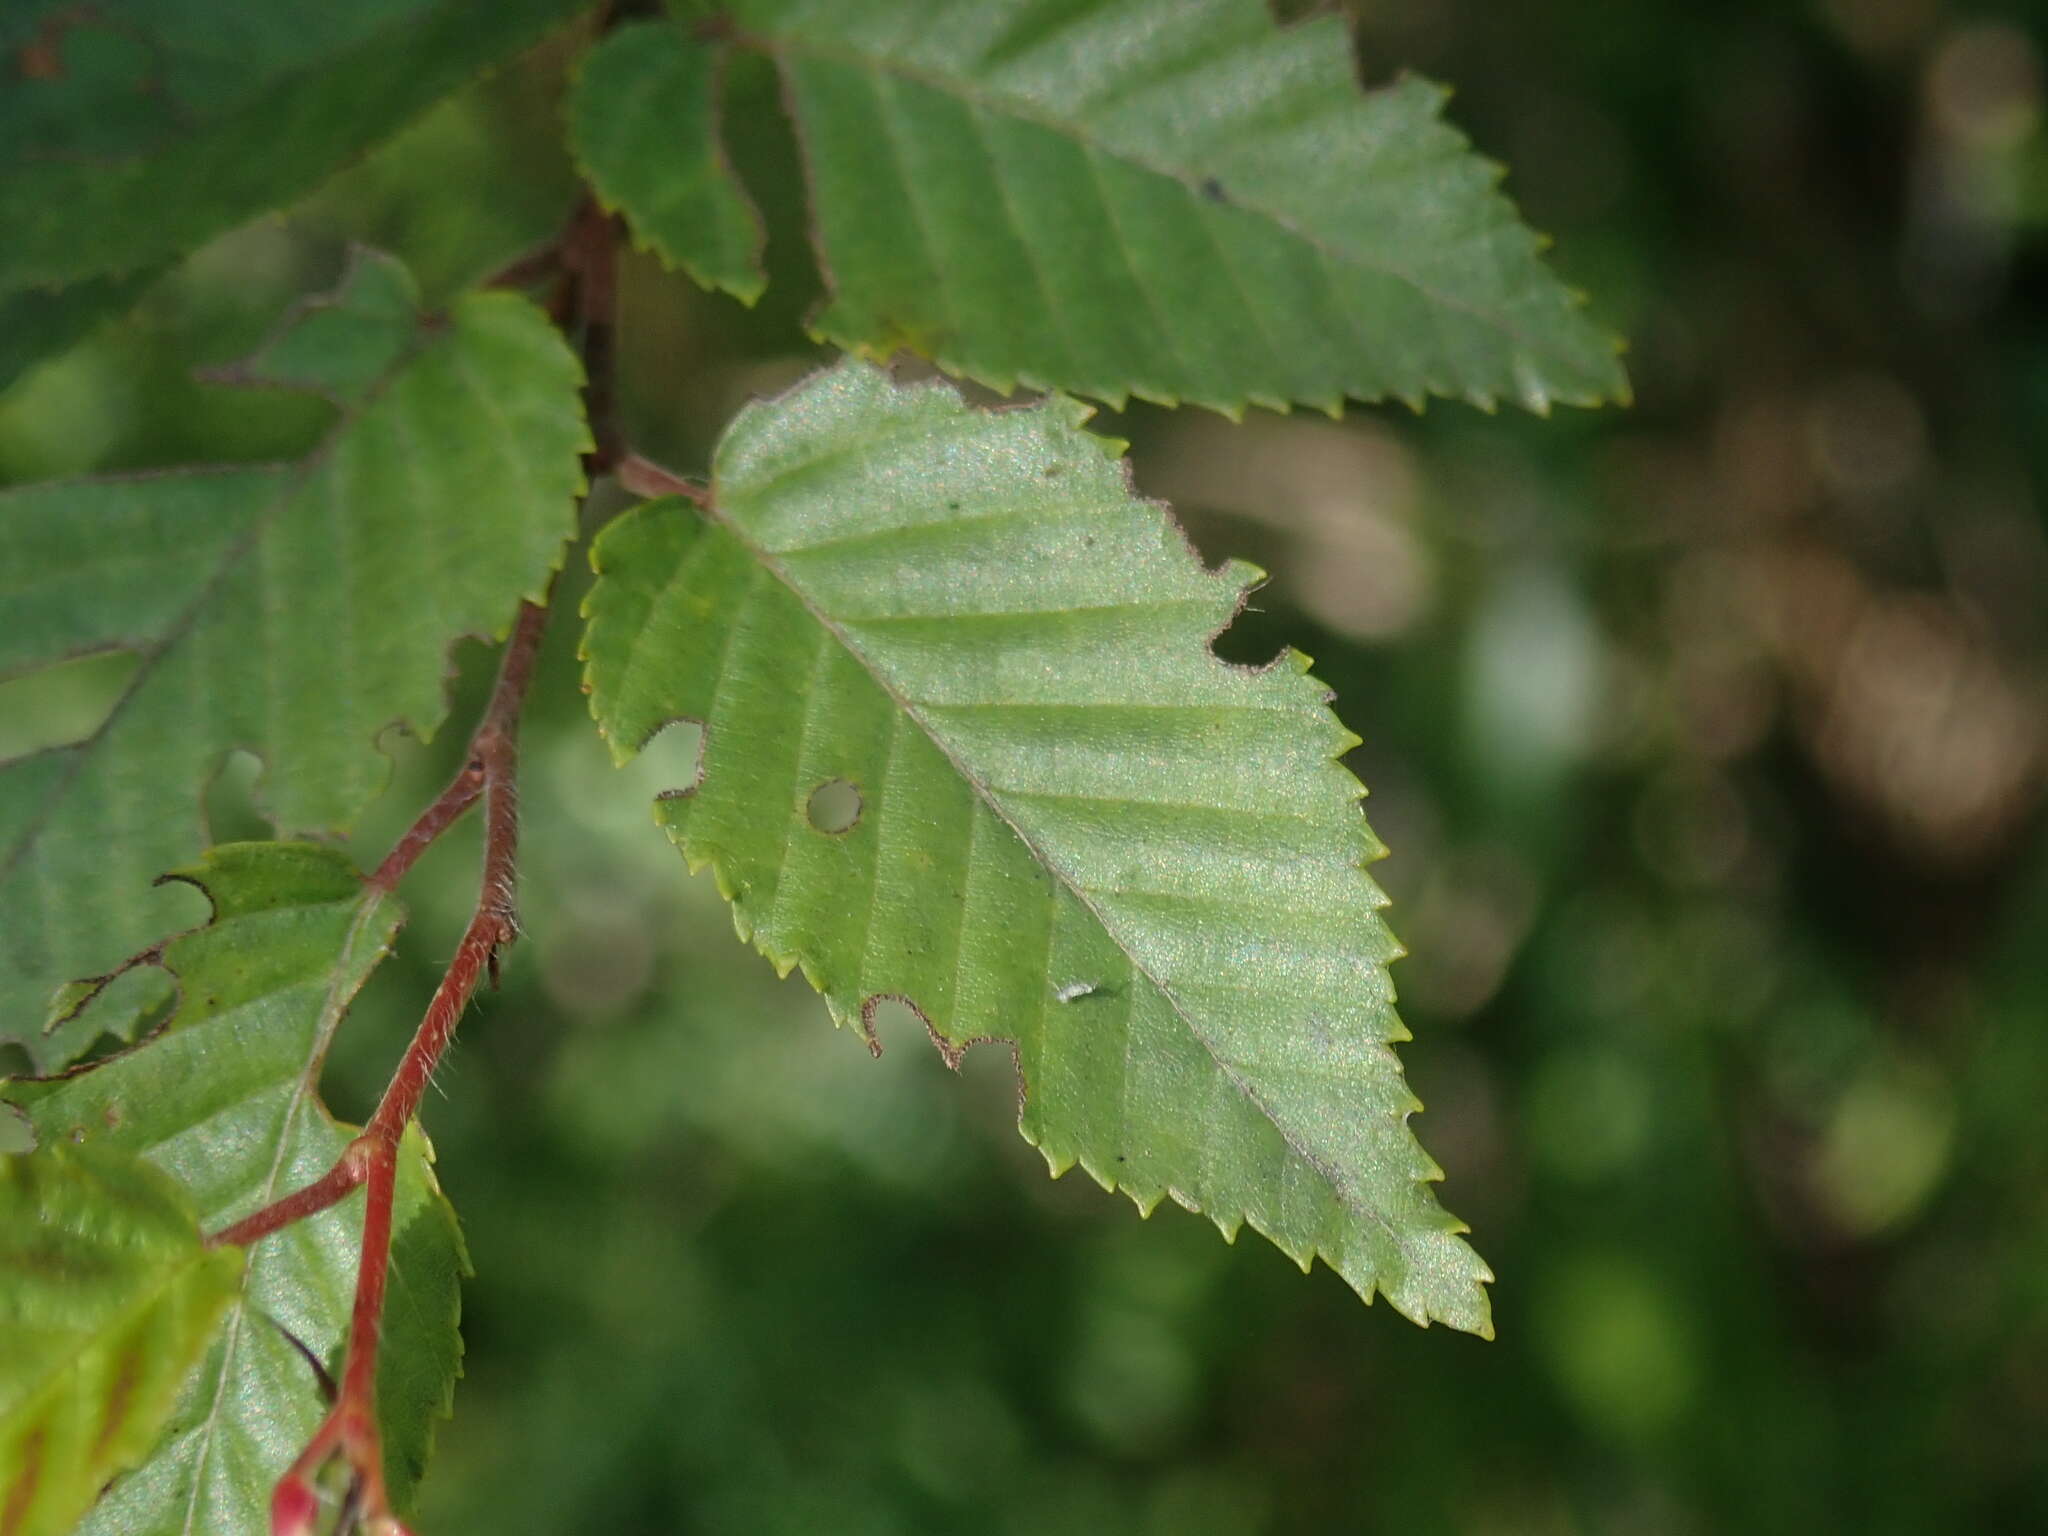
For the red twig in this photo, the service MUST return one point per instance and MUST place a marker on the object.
(491, 773)
(582, 262)
(350, 1428)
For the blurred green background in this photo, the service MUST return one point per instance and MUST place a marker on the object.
(1709, 738)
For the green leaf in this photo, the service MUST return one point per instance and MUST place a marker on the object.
(133, 134)
(1079, 831)
(226, 1100)
(643, 120)
(1181, 202)
(107, 1297)
(294, 610)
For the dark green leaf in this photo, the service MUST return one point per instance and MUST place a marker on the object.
(133, 133)
(1117, 197)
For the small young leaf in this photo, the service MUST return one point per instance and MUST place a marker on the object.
(293, 610)
(1115, 197)
(107, 1297)
(132, 134)
(225, 1099)
(643, 121)
(1077, 829)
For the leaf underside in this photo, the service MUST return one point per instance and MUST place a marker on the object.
(1183, 202)
(296, 611)
(225, 1100)
(107, 1297)
(1080, 831)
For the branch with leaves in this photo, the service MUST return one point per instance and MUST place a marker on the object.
(491, 775)
(1074, 830)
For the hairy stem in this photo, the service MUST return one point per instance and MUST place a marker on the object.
(582, 262)
(462, 792)
(329, 1189)
(490, 773)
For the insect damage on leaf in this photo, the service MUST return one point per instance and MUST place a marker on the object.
(223, 1098)
(311, 605)
(1081, 832)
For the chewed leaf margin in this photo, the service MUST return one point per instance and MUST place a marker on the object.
(224, 1098)
(778, 621)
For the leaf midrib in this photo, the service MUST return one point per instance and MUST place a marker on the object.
(986, 795)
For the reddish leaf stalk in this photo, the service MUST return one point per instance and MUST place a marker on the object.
(330, 1188)
(462, 792)
(644, 477)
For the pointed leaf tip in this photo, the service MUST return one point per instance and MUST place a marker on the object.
(1082, 832)
(1099, 197)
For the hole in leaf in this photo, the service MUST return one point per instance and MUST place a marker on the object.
(57, 705)
(232, 815)
(91, 1017)
(834, 806)
(670, 762)
(16, 1134)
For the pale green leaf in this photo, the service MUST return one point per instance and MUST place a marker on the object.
(1080, 831)
(643, 121)
(107, 1297)
(296, 611)
(1184, 202)
(226, 1100)
(133, 133)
